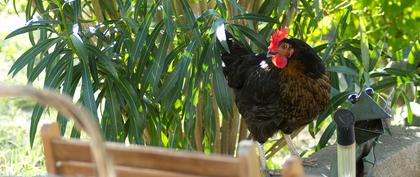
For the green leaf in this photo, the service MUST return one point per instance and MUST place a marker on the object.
(308, 8)
(54, 77)
(342, 69)
(311, 129)
(29, 28)
(237, 6)
(149, 47)
(40, 67)
(167, 18)
(326, 136)
(69, 89)
(156, 70)
(222, 92)
(87, 88)
(256, 17)
(104, 62)
(219, 28)
(136, 121)
(36, 116)
(175, 81)
(344, 21)
(397, 71)
(191, 21)
(80, 48)
(209, 13)
(141, 37)
(267, 7)
(46, 61)
(255, 37)
(364, 49)
(87, 91)
(30, 54)
(112, 121)
(408, 107)
(385, 83)
(333, 103)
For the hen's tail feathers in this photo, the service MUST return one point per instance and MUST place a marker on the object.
(235, 47)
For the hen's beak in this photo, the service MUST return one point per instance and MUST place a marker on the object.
(270, 54)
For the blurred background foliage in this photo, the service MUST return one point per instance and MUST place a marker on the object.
(150, 71)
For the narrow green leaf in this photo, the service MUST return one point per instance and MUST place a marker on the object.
(219, 28)
(344, 21)
(333, 103)
(77, 9)
(192, 25)
(46, 61)
(364, 49)
(223, 93)
(209, 13)
(255, 17)
(69, 89)
(397, 71)
(312, 129)
(104, 63)
(267, 7)
(167, 18)
(385, 83)
(30, 54)
(221, 90)
(79, 45)
(29, 28)
(40, 67)
(153, 76)
(342, 69)
(408, 107)
(54, 77)
(255, 37)
(75, 133)
(150, 45)
(175, 81)
(140, 8)
(36, 116)
(308, 7)
(238, 6)
(136, 121)
(188, 13)
(141, 37)
(282, 7)
(87, 88)
(326, 136)
(222, 7)
(112, 123)
(326, 55)
(87, 91)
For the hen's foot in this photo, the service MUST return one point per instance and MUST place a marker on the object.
(309, 162)
(271, 173)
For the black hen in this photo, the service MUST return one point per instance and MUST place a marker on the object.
(283, 92)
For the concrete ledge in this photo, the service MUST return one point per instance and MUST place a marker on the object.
(397, 155)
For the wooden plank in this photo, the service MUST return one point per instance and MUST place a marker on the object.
(49, 132)
(73, 168)
(250, 166)
(151, 158)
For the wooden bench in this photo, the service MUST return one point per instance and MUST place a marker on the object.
(71, 157)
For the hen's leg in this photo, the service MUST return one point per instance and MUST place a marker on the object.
(263, 160)
(291, 147)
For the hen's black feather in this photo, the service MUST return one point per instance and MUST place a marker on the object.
(272, 99)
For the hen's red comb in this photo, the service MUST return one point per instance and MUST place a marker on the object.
(277, 36)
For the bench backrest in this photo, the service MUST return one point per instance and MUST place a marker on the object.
(73, 158)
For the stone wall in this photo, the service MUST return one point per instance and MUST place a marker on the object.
(396, 156)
